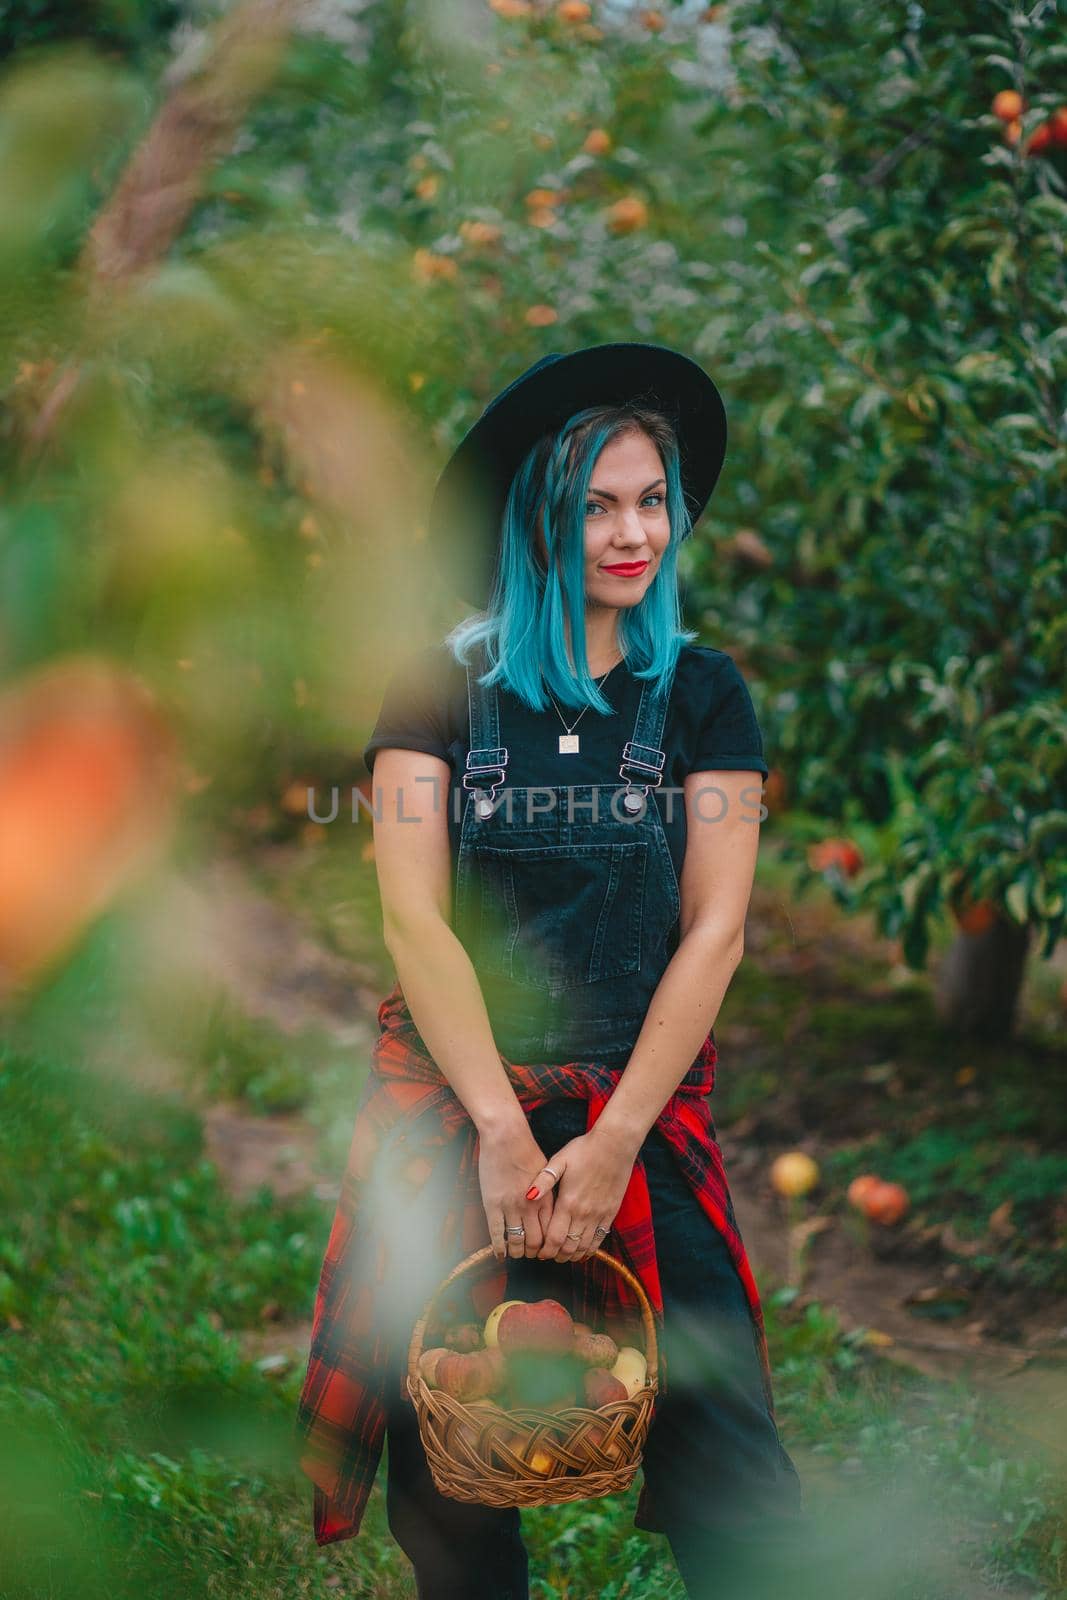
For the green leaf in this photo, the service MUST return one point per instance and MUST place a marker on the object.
(1050, 207)
(1015, 899)
(1018, 422)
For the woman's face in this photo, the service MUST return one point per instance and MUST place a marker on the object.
(626, 522)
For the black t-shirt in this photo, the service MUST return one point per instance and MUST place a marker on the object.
(710, 725)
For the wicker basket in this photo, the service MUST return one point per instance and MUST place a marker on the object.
(478, 1451)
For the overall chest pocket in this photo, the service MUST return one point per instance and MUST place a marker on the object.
(555, 916)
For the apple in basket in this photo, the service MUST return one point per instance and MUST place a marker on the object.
(540, 1461)
(467, 1433)
(469, 1375)
(631, 1369)
(428, 1364)
(492, 1321)
(597, 1434)
(542, 1327)
(594, 1349)
(602, 1388)
(535, 1456)
(464, 1337)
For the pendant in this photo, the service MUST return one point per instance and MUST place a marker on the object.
(568, 744)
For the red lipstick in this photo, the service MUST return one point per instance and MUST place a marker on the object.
(626, 569)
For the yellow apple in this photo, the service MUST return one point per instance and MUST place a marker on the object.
(631, 1369)
(794, 1173)
(493, 1319)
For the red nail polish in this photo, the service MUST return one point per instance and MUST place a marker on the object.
(532, 1192)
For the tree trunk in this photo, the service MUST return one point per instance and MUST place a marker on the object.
(977, 988)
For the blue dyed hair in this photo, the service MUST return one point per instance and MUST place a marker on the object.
(522, 626)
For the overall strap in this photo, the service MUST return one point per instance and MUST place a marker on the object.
(487, 759)
(642, 756)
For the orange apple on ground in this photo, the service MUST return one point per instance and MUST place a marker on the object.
(886, 1203)
(860, 1188)
(794, 1173)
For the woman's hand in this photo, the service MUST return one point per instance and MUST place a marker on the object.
(591, 1174)
(507, 1161)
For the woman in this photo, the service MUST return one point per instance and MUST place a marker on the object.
(564, 930)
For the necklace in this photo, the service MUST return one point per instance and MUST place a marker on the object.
(568, 741)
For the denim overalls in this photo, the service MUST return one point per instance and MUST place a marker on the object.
(567, 902)
(565, 895)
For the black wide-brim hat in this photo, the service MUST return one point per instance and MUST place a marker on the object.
(467, 509)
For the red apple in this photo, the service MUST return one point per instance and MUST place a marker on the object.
(472, 1375)
(886, 1203)
(541, 1326)
(602, 1388)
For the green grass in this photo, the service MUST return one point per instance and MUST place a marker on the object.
(144, 1454)
(247, 1058)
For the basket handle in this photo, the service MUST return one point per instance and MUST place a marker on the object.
(478, 1256)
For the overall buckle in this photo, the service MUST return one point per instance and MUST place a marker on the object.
(635, 796)
(479, 763)
(651, 773)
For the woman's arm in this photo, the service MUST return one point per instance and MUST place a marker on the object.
(413, 860)
(722, 817)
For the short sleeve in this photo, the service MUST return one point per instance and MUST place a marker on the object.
(413, 715)
(728, 735)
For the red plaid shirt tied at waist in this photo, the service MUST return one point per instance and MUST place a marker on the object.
(395, 1238)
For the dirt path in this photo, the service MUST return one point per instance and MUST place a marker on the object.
(276, 969)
